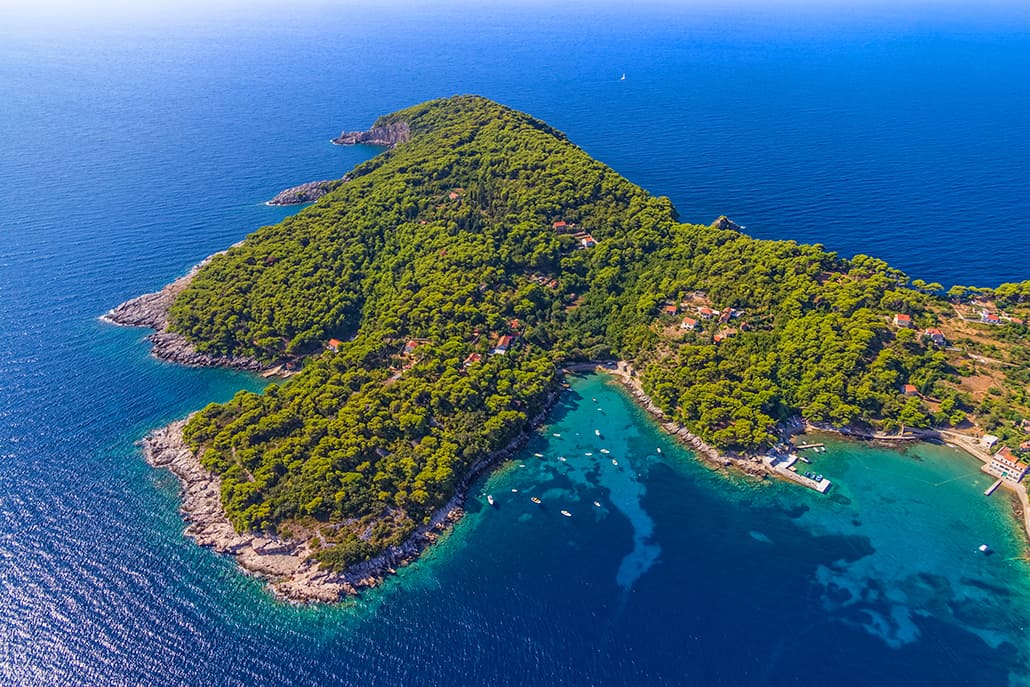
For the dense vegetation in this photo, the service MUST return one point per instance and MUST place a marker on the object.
(437, 248)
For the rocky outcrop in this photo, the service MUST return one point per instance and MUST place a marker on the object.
(388, 135)
(725, 222)
(305, 193)
(151, 310)
(289, 565)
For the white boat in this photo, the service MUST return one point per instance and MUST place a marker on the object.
(490, 499)
(659, 450)
(588, 453)
(535, 500)
(597, 432)
(555, 434)
(623, 77)
(566, 513)
(605, 451)
(561, 458)
(597, 503)
(983, 548)
(538, 455)
(514, 491)
(615, 462)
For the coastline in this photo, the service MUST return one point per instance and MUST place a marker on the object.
(751, 465)
(288, 565)
(151, 310)
(624, 372)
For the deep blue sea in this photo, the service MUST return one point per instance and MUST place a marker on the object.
(131, 148)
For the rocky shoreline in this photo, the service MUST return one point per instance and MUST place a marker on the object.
(288, 565)
(305, 193)
(625, 373)
(151, 310)
(389, 135)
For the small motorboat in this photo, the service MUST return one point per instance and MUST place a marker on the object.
(490, 499)
(538, 455)
(659, 450)
(514, 491)
(983, 548)
(597, 432)
(535, 500)
(594, 400)
(561, 458)
(615, 462)
(555, 434)
(605, 451)
(522, 465)
(588, 453)
(597, 503)
(566, 513)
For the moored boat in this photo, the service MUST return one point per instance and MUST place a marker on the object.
(490, 499)
(566, 513)
(535, 500)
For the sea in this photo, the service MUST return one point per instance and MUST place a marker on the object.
(132, 145)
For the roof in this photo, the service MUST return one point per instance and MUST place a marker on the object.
(671, 309)
(335, 343)
(934, 332)
(902, 317)
(504, 341)
(910, 389)
(410, 346)
(690, 321)
(560, 224)
(1005, 455)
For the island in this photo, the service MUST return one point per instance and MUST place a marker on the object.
(427, 309)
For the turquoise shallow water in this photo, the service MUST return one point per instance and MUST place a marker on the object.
(127, 154)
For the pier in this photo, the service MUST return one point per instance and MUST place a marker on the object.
(990, 490)
(802, 447)
(781, 465)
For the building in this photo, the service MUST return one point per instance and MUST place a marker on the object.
(503, 344)
(334, 344)
(910, 390)
(903, 320)
(936, 336)
(410, 347)
(988, 441)
(670, 309)
(725, 315)
(706, 313)
(560, 225)
(989, 317)
(1005, 465)
(688, 323)
(588, 241)
(472, 358)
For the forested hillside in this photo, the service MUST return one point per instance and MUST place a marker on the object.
(430, 297)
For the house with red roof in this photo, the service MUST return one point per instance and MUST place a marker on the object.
(334, 344)
(560, 225)
(410, 347)
(910, 390)
(1006, 465)
(903, 320)
(689, 323)
(706, 312)
(503, 344)
(989, 317)
(936, 336)
(670, 309)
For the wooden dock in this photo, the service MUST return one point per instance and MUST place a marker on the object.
(990, 490)
(802, 447)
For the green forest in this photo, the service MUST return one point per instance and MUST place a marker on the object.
(456, 272)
